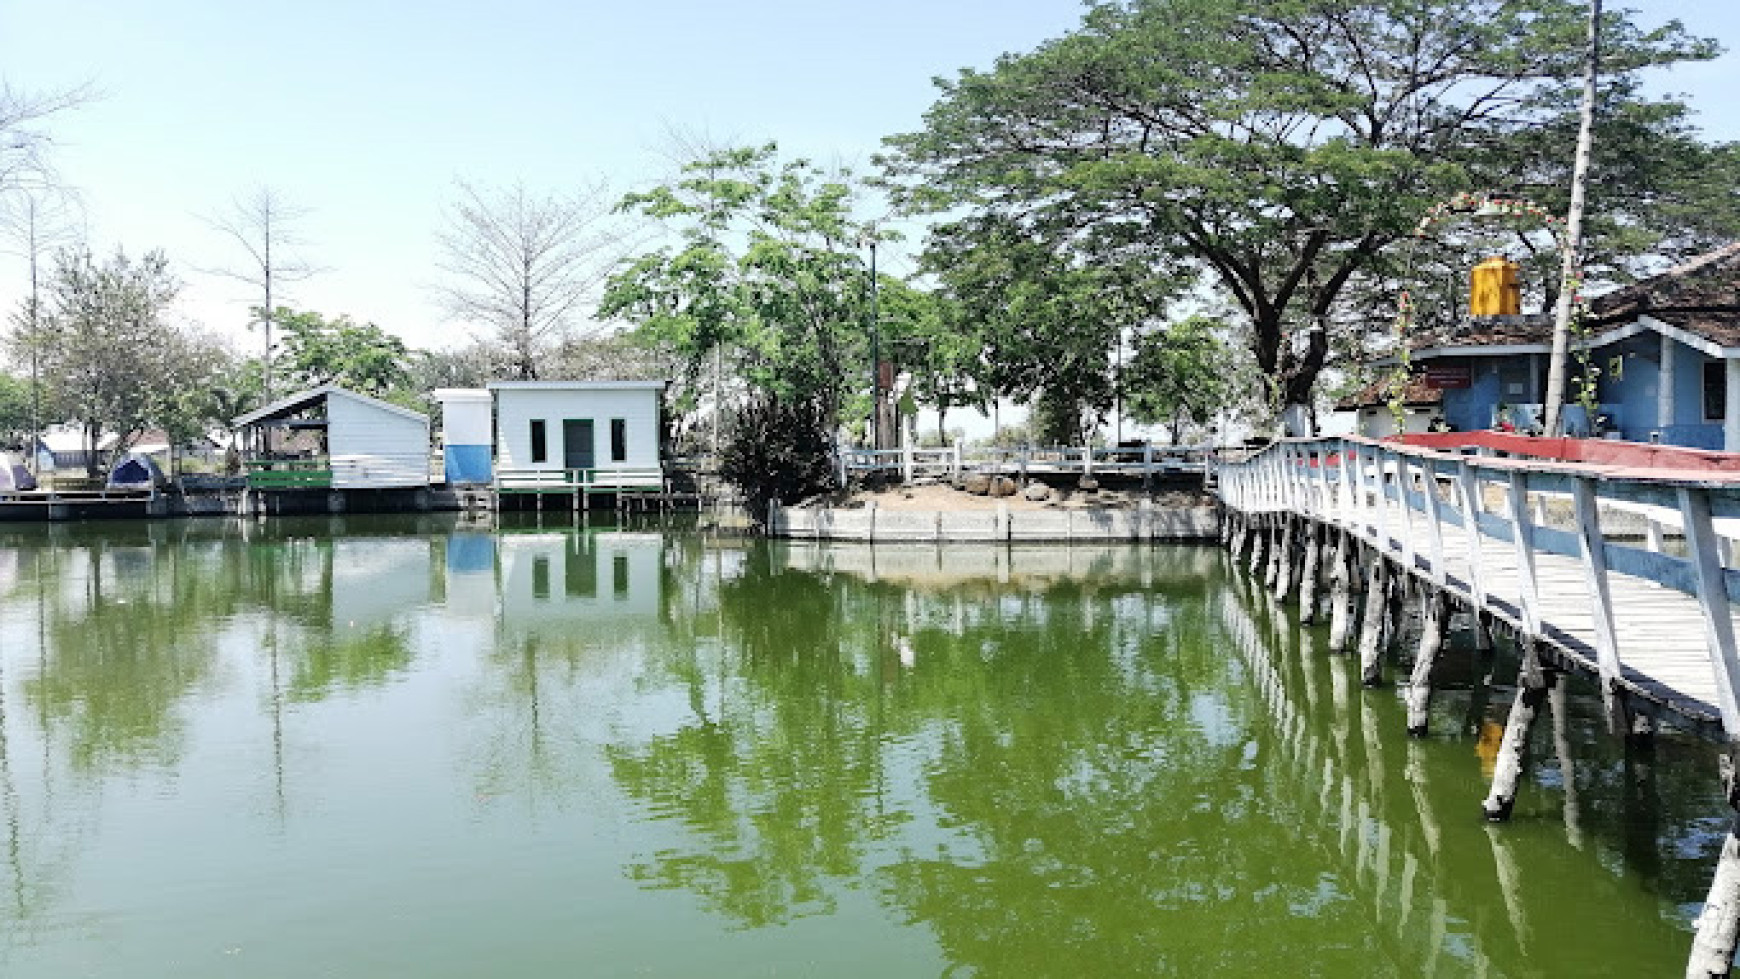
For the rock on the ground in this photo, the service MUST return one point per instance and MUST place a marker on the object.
(977, 484)
(1037, 492)
(1088, 484)
(1003, 486)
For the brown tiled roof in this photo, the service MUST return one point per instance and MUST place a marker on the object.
(1490, 331)
(1377, 393)
(1701, 296)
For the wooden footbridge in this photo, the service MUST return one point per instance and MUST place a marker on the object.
(1611, 560)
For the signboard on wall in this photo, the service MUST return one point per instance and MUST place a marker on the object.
(1442, 377)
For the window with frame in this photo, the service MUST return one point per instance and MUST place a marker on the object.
(540, 443)
(1715, 390)
(618, 440)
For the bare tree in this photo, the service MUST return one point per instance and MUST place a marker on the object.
(525, 267)
(36, 216)
(264, 224)
(23, 141)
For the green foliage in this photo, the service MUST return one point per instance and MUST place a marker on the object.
(926, 333)
(110, 352)
(14, 411)
(1032, 322)
(768, 274)
(1277, 150)
(1179, 374)
(779, 450)
(357, 356)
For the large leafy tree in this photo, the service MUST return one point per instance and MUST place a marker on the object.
(1278, 149)
(1179, 374)
(112, 355)
(767, 276)
(358, 356)
(927, 333)
(1044, 323)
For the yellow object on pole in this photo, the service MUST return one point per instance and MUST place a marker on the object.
(1496, 289)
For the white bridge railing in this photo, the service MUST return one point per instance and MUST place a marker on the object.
(1633, 564)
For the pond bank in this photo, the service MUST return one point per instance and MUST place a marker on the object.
(1001, 522)
(56, 507)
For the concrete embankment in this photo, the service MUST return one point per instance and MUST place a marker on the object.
(870, 523)
(28, 507)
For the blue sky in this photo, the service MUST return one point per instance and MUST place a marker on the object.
(366, 111)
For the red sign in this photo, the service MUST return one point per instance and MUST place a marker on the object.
(1448, 376)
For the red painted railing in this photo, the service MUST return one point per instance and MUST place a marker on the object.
(1591, 452)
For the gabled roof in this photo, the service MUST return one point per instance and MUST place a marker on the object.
(1701, 297)
(285, 407)
(1377, 394)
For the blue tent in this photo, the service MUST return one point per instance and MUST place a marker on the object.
(136, 472)
(13, 475)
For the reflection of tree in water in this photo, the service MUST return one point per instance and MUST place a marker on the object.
(125, 645)
(332, 661)
(1008, 709)
(778, 771)
(1093, 764)
(44, 819)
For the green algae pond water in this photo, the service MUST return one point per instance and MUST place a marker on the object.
(415, 747)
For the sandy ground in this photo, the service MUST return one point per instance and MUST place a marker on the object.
(945, 497)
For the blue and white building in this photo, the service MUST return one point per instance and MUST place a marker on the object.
(1667, 350)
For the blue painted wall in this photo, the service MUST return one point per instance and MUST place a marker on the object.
(1629, 398)
(467, 464)
(1470, 409)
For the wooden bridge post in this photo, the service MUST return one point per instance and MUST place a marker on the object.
(1419, 696)
(1281, 581)
(1532, 685)
(1404, 485)
(1371, 626)
(1308, 577)
(1277, 539)
(1718, 927)
(1401, 588)
(1380, 503)
(1434, 523)
(1341, 591)
(1259, 543)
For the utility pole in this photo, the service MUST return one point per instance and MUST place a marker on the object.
(875, 354)
(35, 344)
(1571, 259)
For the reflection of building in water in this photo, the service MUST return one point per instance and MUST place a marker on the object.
(598, 576)
(470, 574)
(8, 570)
